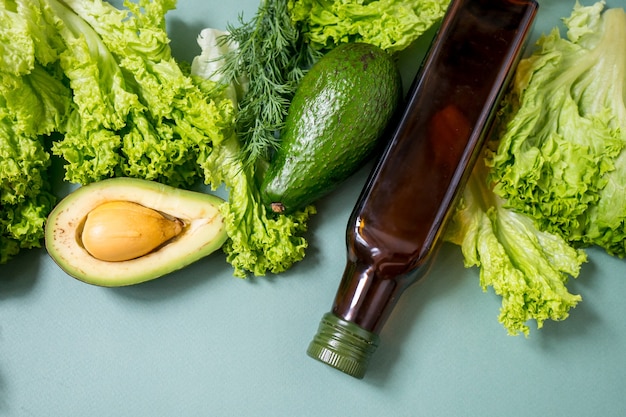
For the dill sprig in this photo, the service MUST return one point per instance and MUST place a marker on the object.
(273, 56)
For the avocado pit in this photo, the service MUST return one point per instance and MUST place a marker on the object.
(118, 231)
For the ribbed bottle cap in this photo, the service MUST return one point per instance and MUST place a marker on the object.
(343, 345)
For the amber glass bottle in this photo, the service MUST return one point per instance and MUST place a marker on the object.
(395, 227)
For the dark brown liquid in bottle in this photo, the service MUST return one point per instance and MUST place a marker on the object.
(394, 229)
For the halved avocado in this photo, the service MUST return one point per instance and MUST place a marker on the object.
(202, 233)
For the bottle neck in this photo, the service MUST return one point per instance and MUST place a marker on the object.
(367, 299)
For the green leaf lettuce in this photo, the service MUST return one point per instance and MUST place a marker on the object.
(34, 102)
(136, 112)
(561, 156)
(528, 268)
(389, 24)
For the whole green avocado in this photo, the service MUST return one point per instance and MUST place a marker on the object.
(338, 114)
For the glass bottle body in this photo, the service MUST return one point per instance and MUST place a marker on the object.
(396, 225)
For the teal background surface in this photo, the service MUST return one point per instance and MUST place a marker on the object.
(200, 342)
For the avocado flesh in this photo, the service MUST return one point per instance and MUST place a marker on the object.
(204, 231)
(336, 119)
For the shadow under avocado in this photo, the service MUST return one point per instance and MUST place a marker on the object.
(190, 278)
(19, 275)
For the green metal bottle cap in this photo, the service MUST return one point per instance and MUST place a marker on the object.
(343, 345)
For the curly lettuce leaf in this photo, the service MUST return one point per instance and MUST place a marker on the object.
(561, 156)
(136, 111)
(259, 242)
(25, 198)
(527, 267)
(22, 224)
(34, 102)
(389, 24)
(17, 48)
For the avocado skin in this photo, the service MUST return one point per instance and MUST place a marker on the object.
(336, 118)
